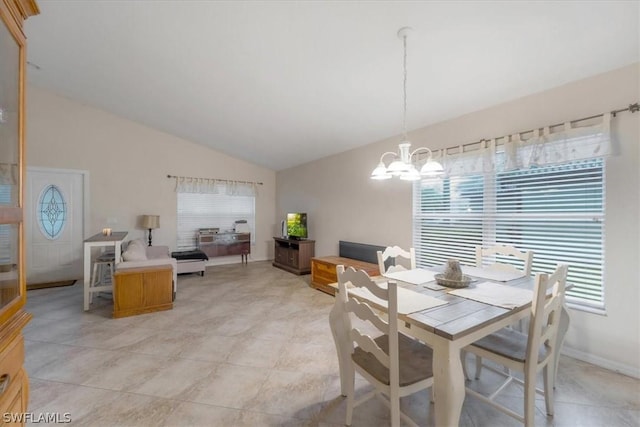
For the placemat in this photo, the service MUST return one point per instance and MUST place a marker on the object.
(416, 276)
(491, 273)
(496, 294)
(408, 301)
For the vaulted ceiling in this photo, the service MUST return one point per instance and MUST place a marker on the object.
(281, 83)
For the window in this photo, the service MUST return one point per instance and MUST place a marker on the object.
(205, 210)
(557, 211)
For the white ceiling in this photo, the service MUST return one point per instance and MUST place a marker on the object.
(283, 83)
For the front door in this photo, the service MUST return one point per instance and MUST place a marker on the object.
(54, 224)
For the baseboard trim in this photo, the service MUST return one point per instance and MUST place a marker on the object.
(631, 371)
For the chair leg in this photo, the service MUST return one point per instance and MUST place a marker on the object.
(394, 402)
(351, 385)
(529, 399)
(549, 377)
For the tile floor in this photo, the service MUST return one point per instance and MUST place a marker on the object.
(245, 346)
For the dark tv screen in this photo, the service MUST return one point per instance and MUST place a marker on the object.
(297, 225)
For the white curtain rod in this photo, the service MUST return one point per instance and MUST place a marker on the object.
(632, 108)
(216, 179)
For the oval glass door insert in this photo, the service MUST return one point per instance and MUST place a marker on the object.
(52, 215)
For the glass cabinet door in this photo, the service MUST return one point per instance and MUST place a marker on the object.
(9, 118)
(11, 133)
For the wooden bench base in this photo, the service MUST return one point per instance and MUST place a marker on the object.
(142, 290)
(323, 271)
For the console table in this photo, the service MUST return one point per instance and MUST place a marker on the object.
(222, 244)
(293, 255)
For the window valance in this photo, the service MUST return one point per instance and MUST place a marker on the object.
(541, 147)
(186, 184)
(566, 145)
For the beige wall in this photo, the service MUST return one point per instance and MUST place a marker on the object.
(344, 204)
(128, 165)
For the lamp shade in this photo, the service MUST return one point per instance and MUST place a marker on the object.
(150, 221)
(397, 167)
(380, 172)
(411, 175)
(431, 168)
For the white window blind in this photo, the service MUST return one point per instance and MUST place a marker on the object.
(205, 210)
(557, 211)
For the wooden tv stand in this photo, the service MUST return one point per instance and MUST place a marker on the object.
(293, 255)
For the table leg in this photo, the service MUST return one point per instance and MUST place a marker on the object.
(87, 275)
(448, 382)
(338, 323)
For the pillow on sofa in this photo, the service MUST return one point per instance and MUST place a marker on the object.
(135, 251)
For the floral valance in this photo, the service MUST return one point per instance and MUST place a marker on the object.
(186, 184)
(566, 145)
(545, 146)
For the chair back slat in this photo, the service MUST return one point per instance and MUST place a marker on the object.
(400, 259)
(367, 343)
(360, 279)
(364, 312)
(393, 268)
(502, 257)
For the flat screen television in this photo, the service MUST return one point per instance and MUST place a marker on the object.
(297, 225)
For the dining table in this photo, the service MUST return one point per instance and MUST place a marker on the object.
(448, 325)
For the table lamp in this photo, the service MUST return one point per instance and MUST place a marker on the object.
(150, 222)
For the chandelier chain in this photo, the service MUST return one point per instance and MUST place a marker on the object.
(404, 90)
(406, 164)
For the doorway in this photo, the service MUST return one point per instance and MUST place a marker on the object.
(55, 216)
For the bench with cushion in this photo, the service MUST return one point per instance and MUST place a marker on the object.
(357, 255)
(190, 261)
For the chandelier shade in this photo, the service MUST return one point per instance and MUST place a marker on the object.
(406, 163)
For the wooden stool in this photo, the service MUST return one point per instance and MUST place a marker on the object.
(98, 280)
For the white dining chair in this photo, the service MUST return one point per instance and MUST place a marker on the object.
(394, 258)
(528, 353)
(505, 258)
(393, 363)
